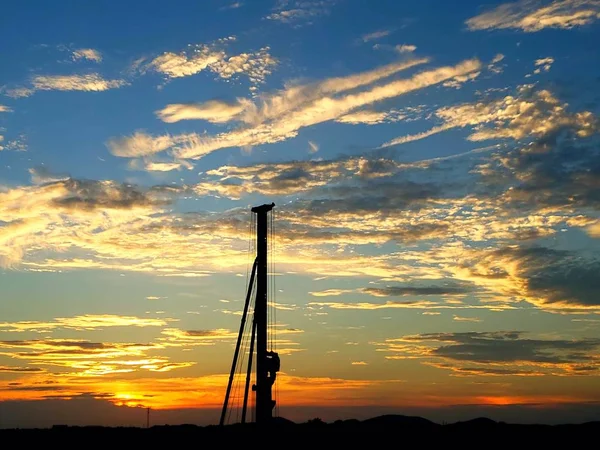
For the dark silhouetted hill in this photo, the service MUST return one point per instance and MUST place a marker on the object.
(287, 434)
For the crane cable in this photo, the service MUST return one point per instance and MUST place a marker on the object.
(237, 397)
(274, 304)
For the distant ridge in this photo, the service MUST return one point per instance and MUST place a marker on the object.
(391, 426)
(478, 422)
(398, 420)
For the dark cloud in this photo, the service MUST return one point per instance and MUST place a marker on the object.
(19, 369)
(42, 175)
(558, 277)
(39, 388)
(375, 195)
(495, 371)
(58, 343)
(505, 347)
(419, 290)
(90, 195)
(57, 347)
(558, 170)
(202, 333)
(498, 371)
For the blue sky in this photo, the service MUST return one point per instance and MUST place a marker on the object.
(434, 168)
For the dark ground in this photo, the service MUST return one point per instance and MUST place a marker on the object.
(383, 431)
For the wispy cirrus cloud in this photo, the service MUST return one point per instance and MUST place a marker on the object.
(3, 108)
(375, 35)
(92, 82)
(530, 113)
(211, 111)
(370, 306)
(533, 15)
(370, 117)
(85, 358)
(233, 5)
(330, 292)
(466, 319)
(300, 12)
(278, 117)
(178, 338)
(84, 322)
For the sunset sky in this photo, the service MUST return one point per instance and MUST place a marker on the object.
(435, 168)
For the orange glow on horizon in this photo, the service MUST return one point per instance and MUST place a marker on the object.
(208, 392)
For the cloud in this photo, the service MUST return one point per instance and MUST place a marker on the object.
(498, 353)
(530, 114)
(140, 144)
(4, 108)
(369, 117)
(42, 175)
(543, 64)
(87, 53)
(499, 57)
(555, 280)
(531, 16)
(416, 304)
(466, 319)
(280, 116)
(214, 111)
(177, 65)
(175, 337)
(558, 172)
(270, 129)
(415, 137)
(399, 291)
(513, 194)
(234, 5)
(405, 48)
(17, 92)
(84, 322)
(375, 35)
(151, 166)
(255, 65)
(38, 217)
(85, 358)
(300, 11)
(493, 66)
(91, 82)
(459, 80)
(296, 176)
(330, 292)
(594, 229)
(19, 369)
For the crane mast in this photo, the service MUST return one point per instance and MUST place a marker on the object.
(267, 362)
